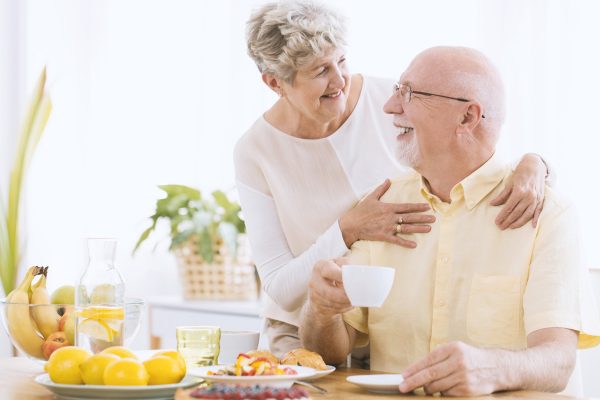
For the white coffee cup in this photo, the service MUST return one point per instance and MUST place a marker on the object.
(236, 342)
(367, 285)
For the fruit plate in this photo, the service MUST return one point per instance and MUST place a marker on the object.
(319, 374)
(279, 381)
(114, 392)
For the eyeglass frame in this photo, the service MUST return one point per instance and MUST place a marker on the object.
(397, 86)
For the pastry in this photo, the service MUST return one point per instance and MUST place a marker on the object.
(304, 358)
(263, 354)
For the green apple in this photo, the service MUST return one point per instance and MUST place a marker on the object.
(63, 295)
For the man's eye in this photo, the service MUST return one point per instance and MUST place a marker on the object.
(322, 72)
(343, 60)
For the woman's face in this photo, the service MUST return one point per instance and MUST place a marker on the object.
(320, 89)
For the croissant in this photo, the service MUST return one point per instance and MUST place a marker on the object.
(304, 358)
(264, 354)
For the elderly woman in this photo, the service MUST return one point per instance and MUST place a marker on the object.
(303, 166)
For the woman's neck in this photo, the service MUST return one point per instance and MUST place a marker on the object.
(289, 120)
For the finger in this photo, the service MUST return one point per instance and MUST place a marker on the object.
(538, 211)
(505, 212)
(409, 228)
(331, 293)
(380, 190)
(426, 371)
(416, 218)
(331, 271)
(393, 239)
(502, 197)
(516, 213)
(409, 207)
(443, 385)
(526, 217)
(342, 261)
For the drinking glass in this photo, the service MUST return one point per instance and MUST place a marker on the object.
(199, 345)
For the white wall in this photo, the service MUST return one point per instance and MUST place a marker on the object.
(155, 92)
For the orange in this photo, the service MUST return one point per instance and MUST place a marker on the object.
(126, 372)
(163, 370)
(176, 355)
(92, 369)
(63, 365)
(120, 351)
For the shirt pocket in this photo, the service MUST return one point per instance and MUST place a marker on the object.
(494, 309)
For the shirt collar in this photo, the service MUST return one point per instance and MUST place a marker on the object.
(474, 187)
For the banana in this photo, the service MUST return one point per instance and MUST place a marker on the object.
(20, 325)
(45, 315)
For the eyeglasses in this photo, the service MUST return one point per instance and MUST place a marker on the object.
(406, 93)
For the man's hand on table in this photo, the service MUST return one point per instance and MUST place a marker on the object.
(453, 369)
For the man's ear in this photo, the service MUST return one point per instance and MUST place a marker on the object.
(273, 83)
(471, 117)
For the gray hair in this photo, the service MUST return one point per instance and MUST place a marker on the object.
(285, 36)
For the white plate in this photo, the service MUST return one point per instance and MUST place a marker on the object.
(281, 381)
(386, 383)
(114, 392)
(319, 374)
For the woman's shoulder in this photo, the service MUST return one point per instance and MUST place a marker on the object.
(377, 84)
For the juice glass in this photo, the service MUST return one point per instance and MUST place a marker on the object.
(199, 345)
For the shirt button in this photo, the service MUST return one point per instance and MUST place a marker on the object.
(445, 260)
(440, 303)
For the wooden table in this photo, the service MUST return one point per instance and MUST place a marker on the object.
(16, 383)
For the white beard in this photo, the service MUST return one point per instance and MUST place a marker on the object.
(407, 153)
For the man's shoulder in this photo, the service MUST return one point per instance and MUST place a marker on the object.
(556, 202)
(404, 188)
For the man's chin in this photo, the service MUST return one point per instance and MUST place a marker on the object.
(407, 155)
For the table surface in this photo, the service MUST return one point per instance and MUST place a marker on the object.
(17, 374)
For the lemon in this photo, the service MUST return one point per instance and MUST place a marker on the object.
(96, 329)
(120, 351)
(163, 370)
(92, 369)
(176, 355)
(97, 312)
(63, 365)
(126, 372)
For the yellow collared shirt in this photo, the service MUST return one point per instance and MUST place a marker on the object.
(467, 280)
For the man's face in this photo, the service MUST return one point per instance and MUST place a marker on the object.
(424, 122)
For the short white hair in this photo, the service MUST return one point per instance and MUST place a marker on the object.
(287, 35)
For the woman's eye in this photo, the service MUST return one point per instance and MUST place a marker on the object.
(322, 72)
(343, 60)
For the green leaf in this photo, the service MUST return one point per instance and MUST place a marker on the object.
(173, 190)
(144, 236)
(31, 132)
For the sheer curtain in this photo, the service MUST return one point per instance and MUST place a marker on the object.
(153, 92)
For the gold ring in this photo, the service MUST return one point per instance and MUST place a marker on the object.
(400, 220)
(398, 228)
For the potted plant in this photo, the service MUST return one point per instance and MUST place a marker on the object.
(204, 237)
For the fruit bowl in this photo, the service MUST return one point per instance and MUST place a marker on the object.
(38, 329)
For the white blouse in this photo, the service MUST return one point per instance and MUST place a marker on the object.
(293, 191)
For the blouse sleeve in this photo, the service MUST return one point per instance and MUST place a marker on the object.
(284, 277)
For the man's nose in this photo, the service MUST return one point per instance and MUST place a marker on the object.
(393, 105)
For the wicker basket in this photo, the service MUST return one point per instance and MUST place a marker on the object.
(217, 281)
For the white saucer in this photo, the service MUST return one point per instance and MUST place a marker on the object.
(386, 383)
(319, 374)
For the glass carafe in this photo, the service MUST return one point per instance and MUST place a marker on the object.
(100, 299)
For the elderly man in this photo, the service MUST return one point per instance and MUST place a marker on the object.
(473, 309)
